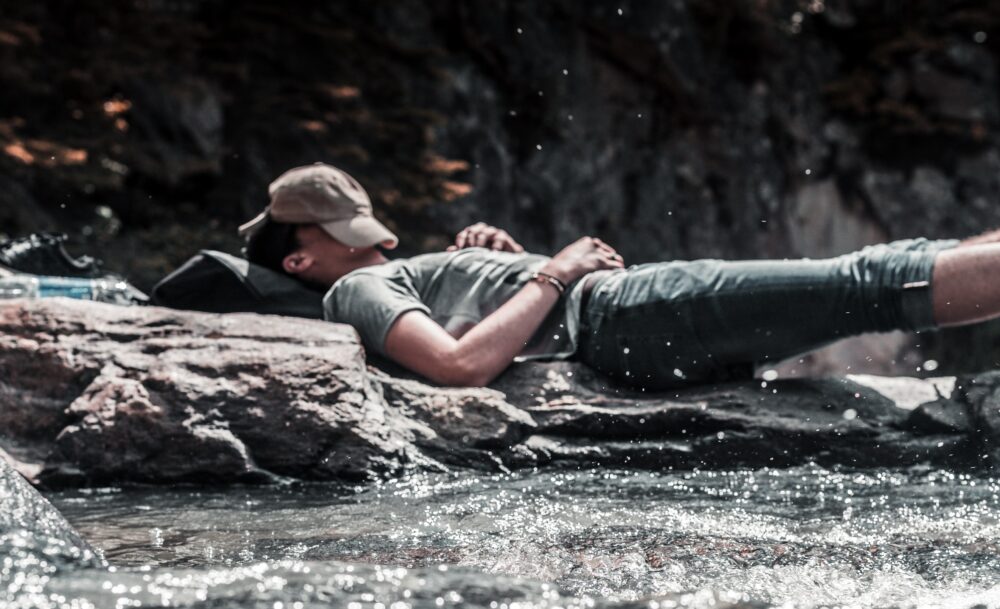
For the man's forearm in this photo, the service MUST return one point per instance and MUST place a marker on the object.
(491, 345)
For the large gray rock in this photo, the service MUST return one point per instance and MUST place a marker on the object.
(94, 393)
(36, 542)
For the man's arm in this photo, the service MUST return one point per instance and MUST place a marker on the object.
(420, 344)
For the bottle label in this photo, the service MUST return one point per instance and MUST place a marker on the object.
(65, 287)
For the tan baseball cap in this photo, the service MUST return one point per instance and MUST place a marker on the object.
(324, 195)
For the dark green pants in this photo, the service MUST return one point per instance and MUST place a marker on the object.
(668, 324)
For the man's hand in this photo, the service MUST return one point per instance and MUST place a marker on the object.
(581, 257)
(481, 234)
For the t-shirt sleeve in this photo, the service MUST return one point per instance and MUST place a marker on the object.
(371, 304)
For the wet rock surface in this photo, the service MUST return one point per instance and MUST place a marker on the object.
(35, 540)
(95, 393)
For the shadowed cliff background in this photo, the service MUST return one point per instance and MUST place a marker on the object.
(148, 129)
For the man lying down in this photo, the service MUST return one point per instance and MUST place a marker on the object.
(462, 316)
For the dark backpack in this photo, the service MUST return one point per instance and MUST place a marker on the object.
(215, 282)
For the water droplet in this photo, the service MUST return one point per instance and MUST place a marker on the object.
(626, 350)
(979, 37)
(850, 414)
(930, 365)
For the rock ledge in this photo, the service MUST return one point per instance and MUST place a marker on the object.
(92, 394)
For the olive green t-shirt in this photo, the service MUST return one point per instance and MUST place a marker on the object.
(455, 289)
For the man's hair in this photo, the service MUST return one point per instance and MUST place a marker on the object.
(269, 246)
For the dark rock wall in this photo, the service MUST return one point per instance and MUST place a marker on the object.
(695, 128)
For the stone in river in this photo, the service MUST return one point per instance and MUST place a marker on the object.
(35, 539)
(95, 394)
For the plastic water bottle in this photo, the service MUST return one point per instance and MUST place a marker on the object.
(38, 286)
(18, 286)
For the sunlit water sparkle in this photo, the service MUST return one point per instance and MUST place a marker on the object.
(803, 537)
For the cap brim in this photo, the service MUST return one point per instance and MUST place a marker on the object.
(248, 229)
(361, 231)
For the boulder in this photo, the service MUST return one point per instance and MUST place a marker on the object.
(93, 394)
(35, 540)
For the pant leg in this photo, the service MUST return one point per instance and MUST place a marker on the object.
(673, 323)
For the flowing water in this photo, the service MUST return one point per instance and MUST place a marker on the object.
(803, 537)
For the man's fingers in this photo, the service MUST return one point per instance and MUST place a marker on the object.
(502, 241)
(481, 238)
(605, 247)
(481, 234)
(614, 259)
(509, 245)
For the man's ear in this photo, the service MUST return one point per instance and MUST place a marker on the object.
(297, 262)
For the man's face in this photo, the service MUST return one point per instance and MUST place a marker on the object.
(322, 260)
